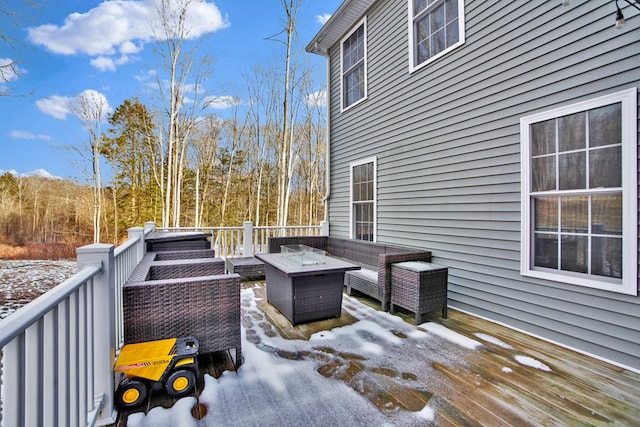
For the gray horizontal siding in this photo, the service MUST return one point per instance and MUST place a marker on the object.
(447, 141)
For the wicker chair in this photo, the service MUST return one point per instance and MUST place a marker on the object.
(158, 266)
(206, 307)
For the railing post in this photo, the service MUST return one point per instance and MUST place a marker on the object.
(135, 233)
(149, 226)
(324, 228)
(103, 327)
(248, 238)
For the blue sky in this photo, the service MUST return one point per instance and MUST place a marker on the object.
(65, 47)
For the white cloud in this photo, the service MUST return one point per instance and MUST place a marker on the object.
(55, 106)
(222, 102)
(9, 71)
(86, 105)
(120, 28)
(23, 134)
(37, 172)
(103, 63)
(90, 105)
(317, 98)
(322, 19)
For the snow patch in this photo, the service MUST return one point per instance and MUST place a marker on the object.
(530, 361)
(450, 335)
(493, 340)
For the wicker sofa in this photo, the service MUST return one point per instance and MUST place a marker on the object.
(183, 297)
(375, 259)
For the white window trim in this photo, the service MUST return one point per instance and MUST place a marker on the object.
(629, 283)
(461, 31)
(353, 164)
(362, 22)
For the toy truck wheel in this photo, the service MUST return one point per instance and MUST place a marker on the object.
(180, 382)
(131, 393)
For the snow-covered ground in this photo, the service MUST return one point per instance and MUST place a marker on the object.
(21, 281)
(280, 382)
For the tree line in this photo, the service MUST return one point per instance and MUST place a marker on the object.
(173, 163)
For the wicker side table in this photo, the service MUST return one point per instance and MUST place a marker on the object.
(420, 287)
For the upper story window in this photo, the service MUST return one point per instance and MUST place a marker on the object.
(579, 194)
(436, 27)
(354, 66)
(363, 200)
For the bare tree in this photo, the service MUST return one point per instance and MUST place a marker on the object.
(91, 108)
(183, 96)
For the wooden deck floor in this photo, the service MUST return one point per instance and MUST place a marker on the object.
(512, 379)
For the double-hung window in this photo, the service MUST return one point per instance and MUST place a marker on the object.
(435, 27)
(579, 193)
(363, 200)
(354, 66)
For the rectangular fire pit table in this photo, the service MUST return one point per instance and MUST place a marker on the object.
(303, 284)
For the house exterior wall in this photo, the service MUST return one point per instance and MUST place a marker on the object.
(447, 142)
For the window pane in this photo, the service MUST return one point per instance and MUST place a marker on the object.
(423, 45)
(572, 132)
(437, 17)
(543, 171)
(452, 35)
(572, 172)
(546, 250)
(438, 42)
(451, 10)
(605, 167)
(543, 137)
(419, 6)
(575, 214)
(546, 213)
(606, 214)
(606, 257)
(573, 250)
(605, 125)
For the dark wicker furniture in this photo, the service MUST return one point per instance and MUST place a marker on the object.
(305, 293)
(246, 267)
(156, 266)
(206, 307)
(177, 241)
(419, 287)
(183, 293)
(374, 279)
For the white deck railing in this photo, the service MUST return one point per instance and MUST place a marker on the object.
(57, 352)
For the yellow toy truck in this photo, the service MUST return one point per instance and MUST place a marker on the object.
(170, 364)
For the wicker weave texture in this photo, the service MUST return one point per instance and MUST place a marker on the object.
(192, 254)
(207, 308)
(419, 291)
(174, 269)
(305, 298)
(246, 267)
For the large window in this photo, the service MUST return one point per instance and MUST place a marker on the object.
(436, 26)
(579, 207)
(363, 200)
(354, 66)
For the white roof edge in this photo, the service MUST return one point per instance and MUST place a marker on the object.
(349, 13)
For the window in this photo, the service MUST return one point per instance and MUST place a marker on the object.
(354, 70)
(363, 200)
(435, 27)
(579, 193)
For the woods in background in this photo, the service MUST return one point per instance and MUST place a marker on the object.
(173, 162)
